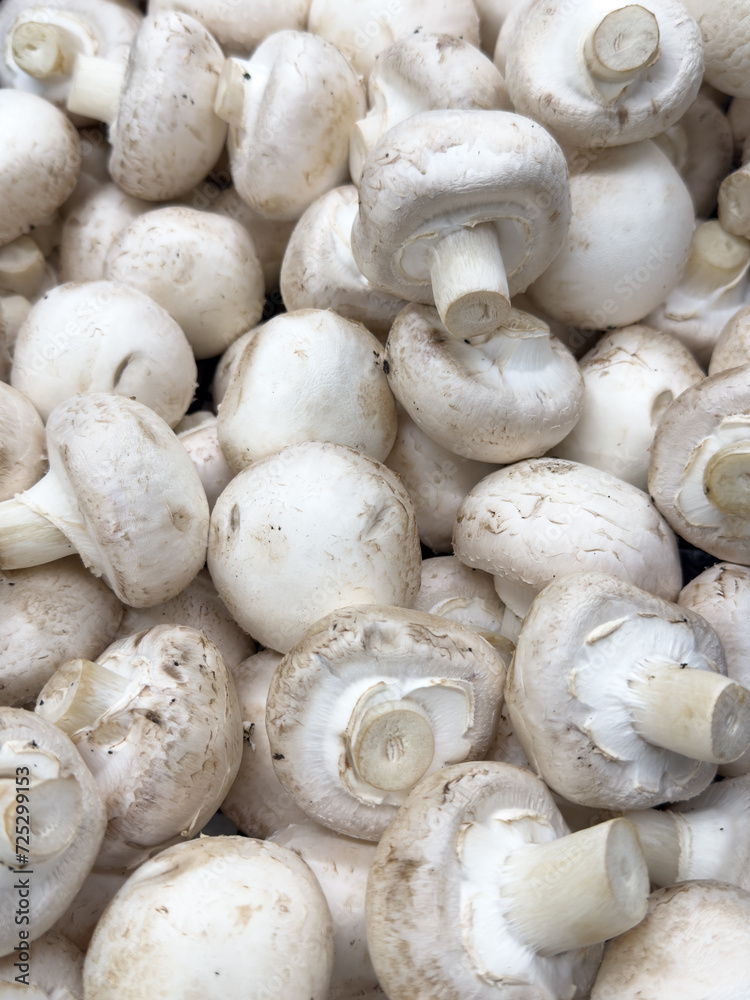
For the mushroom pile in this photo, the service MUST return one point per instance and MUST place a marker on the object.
(374, 499)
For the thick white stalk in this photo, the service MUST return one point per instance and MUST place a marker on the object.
(79, 693)
(230, 93)
(21, 267)
(697, 713)
(27, 537)
(726, 479)
(577, 890)
(363, 136)
(393, 745)
(659, 834)
(717, 259)
(52, 811)
(95, 88)
(624, 42)
(44, 50)
(469, 282)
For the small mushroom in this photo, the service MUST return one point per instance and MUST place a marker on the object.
(263, 924)
(23, 446)
(477, 886)
(200, 267)
(90, 228)
(102, 336)
(461, 209)
(123, 491)
(726, 43)
(53, 824)
(315, 527)
(164, 134)
(619, 698)
(202, 444)
(372, 699)
(445, 576)
(697, 475)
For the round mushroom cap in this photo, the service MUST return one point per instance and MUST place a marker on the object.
(549, 79)
(309, 375)
(166, 138)
(201, 267)
(313, 528)
(243, 24)
(140, 515)
(443, 171)
(227, 916)
(573, 691)
(102, 336)
(50, 614)
(23, 446)
(446, 576)
(597, 282)
(726, 43)
(538, 520)
(371, 700)
(696, 475)
(40, 160)
(667, 953)
(270, 236)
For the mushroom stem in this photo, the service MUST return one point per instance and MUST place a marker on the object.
(95, 88)
(660, 840)
(363, 136)
(717, 258)
(622, 44)
(697, 713)
(726, 479)
(230, 93)
(393, 745)
(27, 536)
(21, 267)
(734, 202)
(577, 890)
(54, 808)
(469, 283)
(79, 693)
(44, 50)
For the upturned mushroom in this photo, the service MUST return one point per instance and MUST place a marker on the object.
(122, 490)
(23, 446)
(372, 699)
(158, 107)
(698, 472)
(309, 375)
(480, 860)
(200, 267)
(282, 157)
(53, 822)
(263, 925)
(157, 721)
(619, 698)
(462, 209)
(424, 72)
(538, 520)
(509, 394)
(598, 74)
(102, 336)
(315, 527)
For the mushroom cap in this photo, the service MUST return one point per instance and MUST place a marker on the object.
(541, 519)
(199, 266)
(50, 614)
(23, 446)
(422, 890)
(40, 750)
(57, 965)
(346, 666)
(270, 236)
(202, 444)
(726, 43)
(666, 953)
(40, 160)
(446, 576)
(309, 375)
(313, 528)
(440, 171)
(79, 921)
(600, 282)
(706, 418)
(242, 25)
(103, 336)
(568, 692)
(140, 514)
(630, 377)
(166, 137)
(732, 349)
(319, 271)
(548, 80)
(226, 916)
(512, 396)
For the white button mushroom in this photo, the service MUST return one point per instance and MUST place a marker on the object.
(225, 916)
(619, 698)
(201, 267)
(159, 108)
(372, 699)
(23, 446)
(281, 155)
(102, 336)
(445, 577)
(726, 43)
(54, 970)
(240, 26)
(123, 490)
(699, 460)
(202, 444)
(599, 74)
(733, 346)
(157, 721)
(478, 890)
(461, 209)
(509, 394)
(316, 527)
